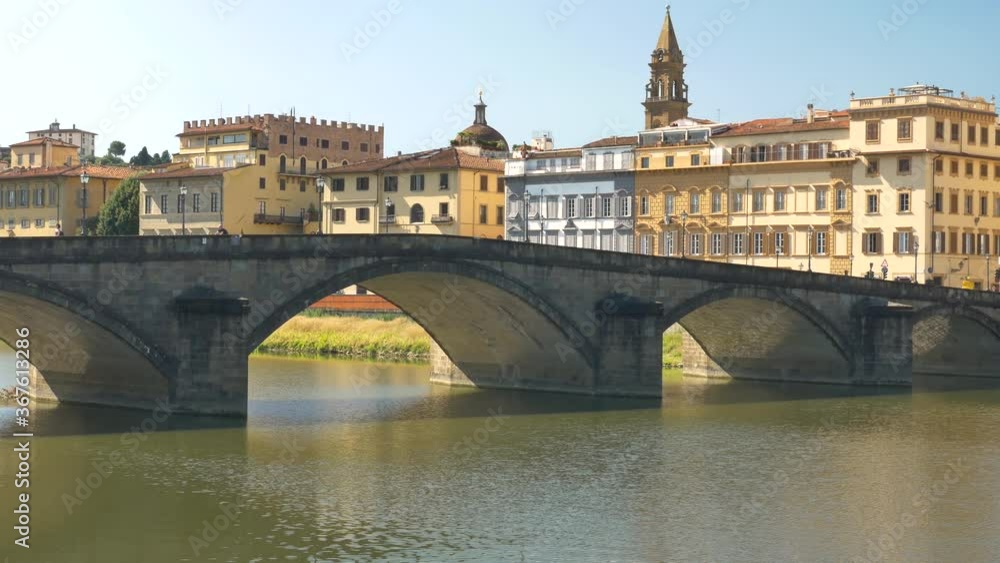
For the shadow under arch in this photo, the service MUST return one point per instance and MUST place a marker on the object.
(955, 340)
(498, 331)
(753, 332)
(82, 353)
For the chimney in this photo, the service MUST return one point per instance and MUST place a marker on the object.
(811, 114)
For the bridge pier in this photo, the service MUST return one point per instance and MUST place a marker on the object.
(883, 352)
(631, 350)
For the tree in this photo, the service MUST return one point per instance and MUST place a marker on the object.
(120, 216)
(117, 148)
(166, 158)
(142, 159)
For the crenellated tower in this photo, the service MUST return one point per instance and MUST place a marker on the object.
(666, 93)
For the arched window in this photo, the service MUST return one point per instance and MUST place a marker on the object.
(344, 163)
(302, 165)
(417, 214)
(323, 164)
(281, 164)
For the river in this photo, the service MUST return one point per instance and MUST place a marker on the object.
(349, 461)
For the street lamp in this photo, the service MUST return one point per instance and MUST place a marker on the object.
(852, 264)
(684, 234)
(811, 231)
(84, 180)
(388, 205)
(320, 187)
(184, 197)
(916, 257)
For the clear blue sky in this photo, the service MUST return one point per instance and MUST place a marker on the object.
(580, 75)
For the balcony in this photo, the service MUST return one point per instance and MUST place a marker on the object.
(262, 219)
(388, 220)
(442, 219)
(976, 104)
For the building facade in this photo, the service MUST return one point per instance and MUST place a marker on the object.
(579, 198)
(85, 140)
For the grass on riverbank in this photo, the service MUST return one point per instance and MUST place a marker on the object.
(672, 357)
(396, 339)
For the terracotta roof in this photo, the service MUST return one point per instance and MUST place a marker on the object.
(191, 173)
(426, 160)
(783, 125)
(615, 141)
(94, 171)
(226, 128)
(42, 140)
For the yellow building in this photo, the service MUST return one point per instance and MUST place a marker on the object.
(37, 200)
(928, 185)
(441, 192)
(261, 171)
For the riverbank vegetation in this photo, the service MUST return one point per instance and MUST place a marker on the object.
(672, 357)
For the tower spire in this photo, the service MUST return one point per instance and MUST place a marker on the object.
(668, 38)
(666, 92)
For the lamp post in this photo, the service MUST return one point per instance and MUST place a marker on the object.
(811, 231)
(388, 205)
(184, 197)
(852, 264)
(684, 220)
(84, 180)
(320, 189)
(916, 257)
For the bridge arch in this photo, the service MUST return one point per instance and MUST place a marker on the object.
(756, 332)
(496, 329)
(85, 353)
(955, 339)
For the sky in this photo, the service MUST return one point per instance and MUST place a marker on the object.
(135, 71)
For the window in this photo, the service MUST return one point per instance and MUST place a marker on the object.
(904, 202)
(670, 162)
(968, 168)
(643, 205)
(903, 166)
(214, 202)
(872, 207)
(821, 202)
(939, 166)
(606, 207)
(939, 130)
(500, 217)
(282, 139)
(501, 185)
(820, 243)
(984, 136)
(588, 207)
(779, 201)
(338, 184)
(444, 180)
(417, 214)
(872, 167)
(972, 134)
(324, 144)
(939, 202)
(364, 147)
(904, 129)
(163, 204)
(669, 206)
(841, 199)
(695, 206)
(669, 244)
(696, 244)
(758, 202)
(739, 244)
(282, 164)
(737, 202)
(591, 162)
(417, 183)
(954, 204)
(872, 243)
(956, 132)
(484, 183)
(609, 161)
(779, 244)
(40, 198)
(345, 145)
(391, 184)
(362, 214)
(302, 186)
(716, 202)
(996, 172)
(24, 222)
(282, 185)
(571, 208)
(362, 183)
(696, 159)
(39, 223)
(483, 214)
(984, 171)
(149, 205)
(644, 162)
(873, 131)
(181, 203)
(984, 206)
(624, 206)
(195, 203)
(339, 215)
(954, 168)
(324, 164)
(758, 244)
(551, 207)
(281, 212)
(715, 244)
(968, 205)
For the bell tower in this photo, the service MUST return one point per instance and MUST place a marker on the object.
(666, 93)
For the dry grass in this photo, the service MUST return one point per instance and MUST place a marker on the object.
(355, 337)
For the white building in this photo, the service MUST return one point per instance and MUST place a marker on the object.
(86, 140)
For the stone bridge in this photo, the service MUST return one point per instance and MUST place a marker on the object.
(130, 321)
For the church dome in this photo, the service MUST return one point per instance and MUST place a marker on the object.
(480, 134)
